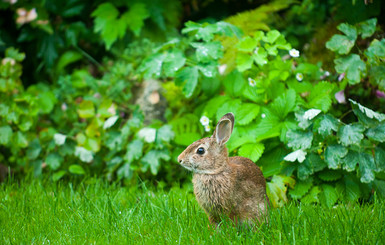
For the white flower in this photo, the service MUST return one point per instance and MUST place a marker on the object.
(299, 155)
(8, 60)
(207, 128)
(294, 53)
(204, 120)
(25, 16)
(263, 115)
(64, 107)
(341, 76)
(299, 76)
(148, 134)
(326, 74)
(340, 97)
(252, 82)
(310, 114)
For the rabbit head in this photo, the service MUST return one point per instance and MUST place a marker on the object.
(209, 155)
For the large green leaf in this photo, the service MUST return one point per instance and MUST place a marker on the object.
(328, 195)
(320, 96)
(247, 44)
(76, 169)
(379, 159)
(152, 65)
(54, 160)
(152, 160)
(173, 62)
(342, 44)
(298, 139)
(329, 175)
(377, 133)
(5, 135)
(367, 28)
(367, 167)
(244, 61)
(284, 104)
(134, 18)
(208, 51)
(133, 151)
(353, 66)
(376, 49)
(202, 31)
(276, 189)
(351, 134)
(84, 154)
(326, 124)
(246, 113)
(252, 151)
(86, 109)
(21, 139)
(311, 196)
(334, 155)
(366, 115)
(188, 77)
(349, 188)
(313, 163)
(34, 149)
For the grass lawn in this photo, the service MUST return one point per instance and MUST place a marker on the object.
(38, 212)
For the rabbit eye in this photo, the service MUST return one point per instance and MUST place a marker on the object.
(201, 151)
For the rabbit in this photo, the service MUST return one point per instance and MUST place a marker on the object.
(223, 185)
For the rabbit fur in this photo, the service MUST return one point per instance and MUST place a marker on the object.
(232, 186)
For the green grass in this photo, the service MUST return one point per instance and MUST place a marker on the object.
(37, 212)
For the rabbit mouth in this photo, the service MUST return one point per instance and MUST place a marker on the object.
(200, 171)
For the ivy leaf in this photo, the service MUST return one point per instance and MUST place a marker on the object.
(188, 76)
(135, 16)
(5, 135)
(329, 195)
(329, 175)
(326, 124)
(76, 169)
(353, 66)
(299, 139)
(334, 155)
(377, 133)
(133, 151)
(54, 160)
(208, 51)
(342, 44)
(366, 115)
(246, 113)
(379, 159)
(152, 160)
(367, 167)
(351, 134)
(252, 151)
(367, 28)
(86, 109)
(301, 188)
(320, 96)
(84, 154)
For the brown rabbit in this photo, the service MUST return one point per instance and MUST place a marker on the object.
(231, 186)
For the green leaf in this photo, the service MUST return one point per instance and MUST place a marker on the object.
(86, 109)
(208, 51)
(47, 101)
(367, 28)
(244, 61)
(252, 151)
(301, 188)
(377, 133)
(76, 169)
(34, 149)
(299, 139)
(152, 65)
(134, 17)
(5, 135)
(246, 113)
(334, 155)
(329, 175)
(54, 160)
(312, 196)
(276, 189)
(376, 49)
(152, 160)
(284, 104)
(260, 56)
(379, 187)
(349, 188)
(234, 84)
(133, 151)
(328, 195)
(186, 129)
(353, 66)
(110, 122)
(367, 167)
(107, 24)
(188, 76)
(247, 44)
(326, 124)
(379, 159)
(84, 154)
(366, 115)
(202, 31)
(271, 161)
(351, 160)
(351, 134)
(271, 36)
(173, 62)
(228, 106)
(58, 175)
(165, 133)
(342, 44)
(320, 96)
(313, 163)
(21, 140)
(67, 58)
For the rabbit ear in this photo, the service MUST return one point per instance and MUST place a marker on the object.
(224, 129)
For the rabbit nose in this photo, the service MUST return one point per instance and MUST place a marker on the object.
(180, 159)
